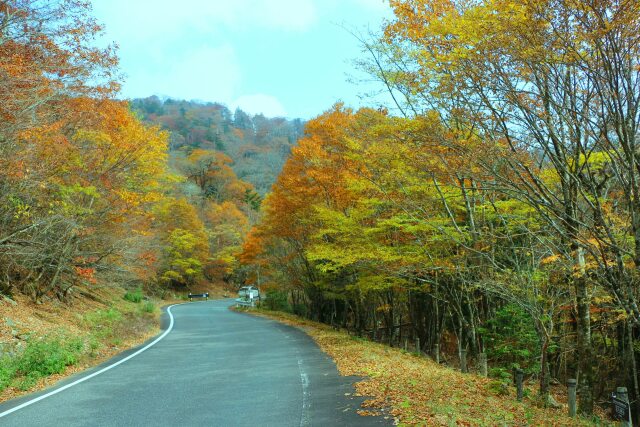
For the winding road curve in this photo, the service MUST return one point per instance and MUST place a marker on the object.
(211, 367)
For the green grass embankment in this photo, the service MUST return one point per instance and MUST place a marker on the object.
(39, 344)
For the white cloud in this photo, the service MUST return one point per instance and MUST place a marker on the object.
(218, 50)
(296, 15)
(157, 39)
(205, 73)
(260, 103)
(149, 20)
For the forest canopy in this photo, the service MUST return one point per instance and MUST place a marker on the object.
(95, 190)
(496, 211)
(491, 210)
(257, 145)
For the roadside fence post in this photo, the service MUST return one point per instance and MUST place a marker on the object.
(622, 394)
(571, 384)
(519, 385)
(482, 359)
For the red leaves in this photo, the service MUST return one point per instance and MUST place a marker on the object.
(86, 273)
(148, 258)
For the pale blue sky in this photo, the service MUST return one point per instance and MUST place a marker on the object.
(278, 57)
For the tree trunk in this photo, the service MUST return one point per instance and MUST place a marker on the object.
(634, 370)
(544, 371)
(584, 351)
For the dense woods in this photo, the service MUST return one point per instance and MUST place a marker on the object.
(89, 193)
(258, 146)
(225, 162)
(493, 208)
(496, 213)
(73, 174)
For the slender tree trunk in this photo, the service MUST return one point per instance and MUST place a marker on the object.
(584, 351)
(544, 370)
(634, 369)
(375, 324)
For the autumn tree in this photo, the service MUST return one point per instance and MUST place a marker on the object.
(536, 81)
(183, 236)
(78, 172)
(212, 172)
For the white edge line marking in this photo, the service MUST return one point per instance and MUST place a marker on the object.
(304, 379)
(101, 371)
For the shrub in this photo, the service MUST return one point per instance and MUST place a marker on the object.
(300, 310)
(7, 371)
(511, 339)
(100, 317)
(93, 344)
(148, 307)
(40, 358)
(501, 374)
(48, 356)
(277, 301)
(499, 388)
(133, 296)
(102, 322)
(28, 381)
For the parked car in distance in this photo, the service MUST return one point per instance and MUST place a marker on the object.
(249, 292)
(248, 295)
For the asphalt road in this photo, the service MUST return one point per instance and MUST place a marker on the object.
(214, 367)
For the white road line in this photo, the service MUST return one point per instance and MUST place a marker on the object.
(304, 379)
(101, 371)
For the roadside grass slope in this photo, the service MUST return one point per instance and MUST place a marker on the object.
(42, 343)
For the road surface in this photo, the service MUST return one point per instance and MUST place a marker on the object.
(212, 367)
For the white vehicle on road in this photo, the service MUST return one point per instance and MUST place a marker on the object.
(248, 295)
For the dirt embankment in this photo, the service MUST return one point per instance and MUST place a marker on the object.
(41, 343)
(94, 325)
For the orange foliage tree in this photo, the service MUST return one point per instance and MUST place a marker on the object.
(78, 172)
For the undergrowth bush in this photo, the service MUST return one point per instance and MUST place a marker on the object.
(40, 358)
(277, 301)
(511, 340)
(102, 322)
(7, 371)
(148, 307)
(133, 296)
(300, 310)
(49, 356)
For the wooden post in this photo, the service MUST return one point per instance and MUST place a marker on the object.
(571, 384)
(406, 344)
(463, 361)
(519, 386)
(482, 360)
(622, 394)
(436, 352)
(418, 348)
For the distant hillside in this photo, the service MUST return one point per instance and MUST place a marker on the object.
(258, 145)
